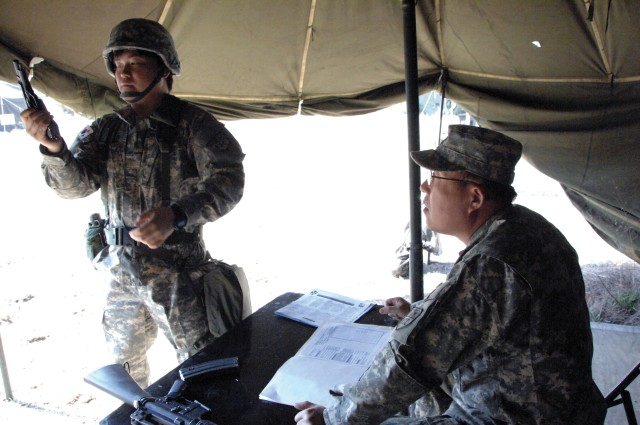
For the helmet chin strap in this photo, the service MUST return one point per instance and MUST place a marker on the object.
(134, 96)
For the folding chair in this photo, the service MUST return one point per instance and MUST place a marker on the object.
(620, 395)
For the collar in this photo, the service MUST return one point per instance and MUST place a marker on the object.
(497, 218)
(167, 112)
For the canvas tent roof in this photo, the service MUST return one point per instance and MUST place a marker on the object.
(563, 77)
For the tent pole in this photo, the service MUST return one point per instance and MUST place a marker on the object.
(416, 273)
(4, 372)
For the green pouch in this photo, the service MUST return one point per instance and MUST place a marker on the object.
(226, 296)
(95, 239)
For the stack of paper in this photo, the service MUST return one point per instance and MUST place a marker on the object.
(336, 353)
(318, 307)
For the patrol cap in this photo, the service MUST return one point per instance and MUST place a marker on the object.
(480, 151)
(142, 34)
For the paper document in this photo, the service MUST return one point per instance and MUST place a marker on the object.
(318, 307)
(336, 353)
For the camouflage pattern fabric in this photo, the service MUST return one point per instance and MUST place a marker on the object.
(146, 293)
(206, 179)
(480, 151)
(509, 328)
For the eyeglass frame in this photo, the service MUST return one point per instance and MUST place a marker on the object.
(433, 176)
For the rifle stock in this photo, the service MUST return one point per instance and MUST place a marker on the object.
(114, 380)
(168, 410)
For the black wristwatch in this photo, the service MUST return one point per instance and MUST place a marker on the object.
(179, 217)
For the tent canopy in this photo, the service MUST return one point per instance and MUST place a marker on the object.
(562, 77)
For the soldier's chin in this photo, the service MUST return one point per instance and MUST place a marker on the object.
(129, 95)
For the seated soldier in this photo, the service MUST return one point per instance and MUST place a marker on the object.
(507, 335)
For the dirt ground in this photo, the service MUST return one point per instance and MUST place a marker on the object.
(306, 221)
(613, 292)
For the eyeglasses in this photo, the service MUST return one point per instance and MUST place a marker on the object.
(433, 176)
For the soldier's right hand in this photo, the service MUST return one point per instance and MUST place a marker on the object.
(36, 124)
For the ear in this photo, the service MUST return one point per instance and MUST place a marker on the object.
(476, 197)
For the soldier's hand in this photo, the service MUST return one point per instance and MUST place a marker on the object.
(309, 414)
(36, 124)
(396, 308)
(153, 227)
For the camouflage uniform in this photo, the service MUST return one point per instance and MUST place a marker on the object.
(148, 287)
(509, 329)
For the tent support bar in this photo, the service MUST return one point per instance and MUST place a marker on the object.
(4, 372)
(416, 273)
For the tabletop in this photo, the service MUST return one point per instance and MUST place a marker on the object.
(262, 343)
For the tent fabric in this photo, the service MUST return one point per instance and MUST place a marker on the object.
(563, 77)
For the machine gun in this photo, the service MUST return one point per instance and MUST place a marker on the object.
(31, 99)
(168, 410)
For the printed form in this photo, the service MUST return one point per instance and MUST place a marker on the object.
(336, 353)
(317, 307)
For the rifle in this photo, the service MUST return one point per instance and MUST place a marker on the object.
(31, 99)
(168, 410)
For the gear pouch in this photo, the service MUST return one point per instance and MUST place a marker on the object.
(226, 296)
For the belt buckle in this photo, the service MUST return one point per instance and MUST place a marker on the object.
(118, 235)
(122, 237)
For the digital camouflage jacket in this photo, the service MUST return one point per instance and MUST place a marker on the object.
(509, 329)
(122, 156)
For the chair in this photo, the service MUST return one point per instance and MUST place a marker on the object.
(620, 395)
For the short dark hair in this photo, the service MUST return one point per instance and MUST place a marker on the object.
(499, 193)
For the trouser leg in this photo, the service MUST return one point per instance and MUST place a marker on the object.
(433, 403)
(178, 311)
(145, 293)
(129, 330)
(429, 409)
(434, 420)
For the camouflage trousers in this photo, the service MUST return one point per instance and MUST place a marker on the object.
(429, 409)
(146, 293)
(434, 420)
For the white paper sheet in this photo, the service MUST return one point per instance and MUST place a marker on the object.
(336, 353)
(317, 307)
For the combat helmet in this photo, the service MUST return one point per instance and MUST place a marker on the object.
(142, 34)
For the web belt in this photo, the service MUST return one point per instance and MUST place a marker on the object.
(120, 236)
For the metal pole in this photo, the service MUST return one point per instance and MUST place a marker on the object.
(2, 112)
(416, 273)
(5, 373)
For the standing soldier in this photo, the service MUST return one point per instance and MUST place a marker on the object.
(165, 167)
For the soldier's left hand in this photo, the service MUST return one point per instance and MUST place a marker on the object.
(153, 227)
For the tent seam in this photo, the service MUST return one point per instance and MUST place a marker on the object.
(439, 30)
(601, 49)
(305, 53)
(604, 80)
(165, 11)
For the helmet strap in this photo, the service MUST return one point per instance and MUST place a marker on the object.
(137, 96)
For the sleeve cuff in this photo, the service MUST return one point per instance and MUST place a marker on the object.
(45, 151)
